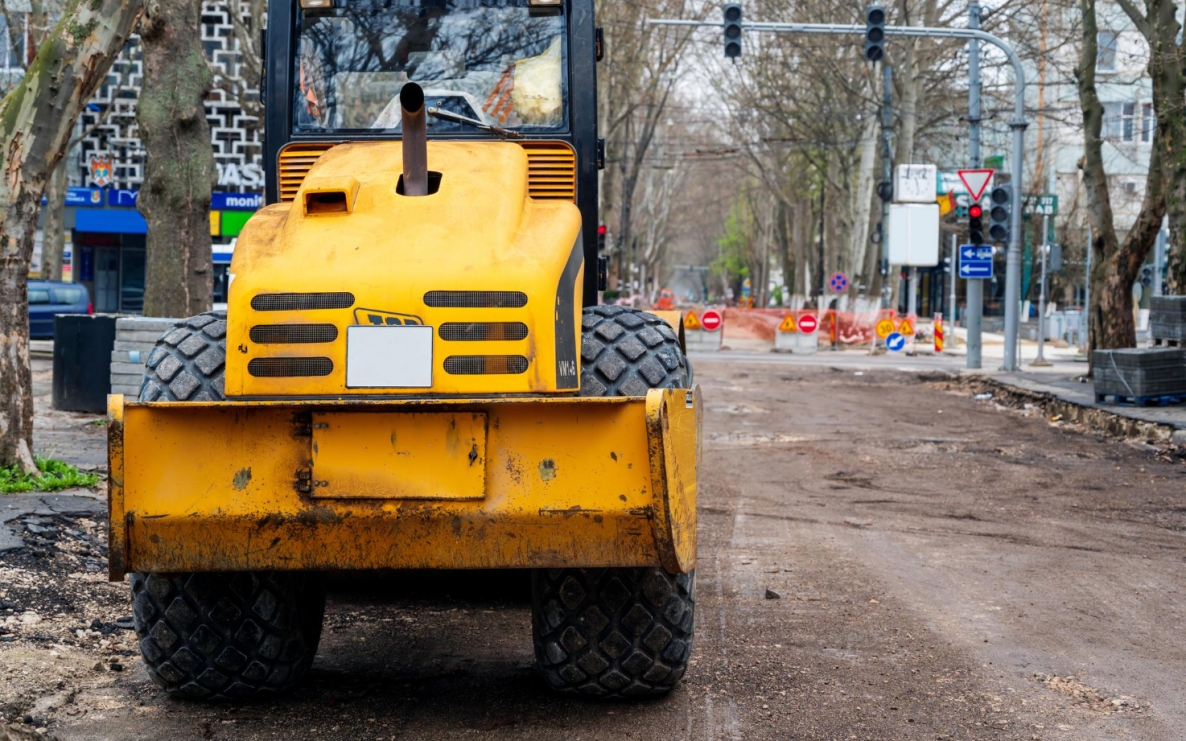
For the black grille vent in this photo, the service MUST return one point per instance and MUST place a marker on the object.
(290, 367)
(476, 299)
(301, 301)
(482, 331)
(283, 334)
(484, 365)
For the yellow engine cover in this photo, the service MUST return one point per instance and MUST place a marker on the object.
(495, 274)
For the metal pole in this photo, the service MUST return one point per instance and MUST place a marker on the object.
(1086, 341)
(974, 286)
(1159, 257)
(887, 166)
(953, 312)
(1041, 361)
(912, 291)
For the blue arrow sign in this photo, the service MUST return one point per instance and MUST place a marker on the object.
(895, 342)
(975, 261)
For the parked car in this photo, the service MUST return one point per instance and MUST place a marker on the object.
(49, 298)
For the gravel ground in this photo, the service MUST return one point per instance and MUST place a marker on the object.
(881, 557)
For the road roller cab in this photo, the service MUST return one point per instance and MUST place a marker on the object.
(413, 371)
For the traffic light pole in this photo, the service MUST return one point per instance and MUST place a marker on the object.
(1018, 125)
(974, 286)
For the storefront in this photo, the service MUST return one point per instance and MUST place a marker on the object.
(108, 238)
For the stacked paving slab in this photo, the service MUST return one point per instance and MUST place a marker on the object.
(134, 340)
(1167, 319)
(1139, 375)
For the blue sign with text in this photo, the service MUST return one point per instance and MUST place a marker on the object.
(80, 197)
(122, 198)
(236, 201)
(975, 261)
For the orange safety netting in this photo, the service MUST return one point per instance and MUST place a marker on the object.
(853, 328)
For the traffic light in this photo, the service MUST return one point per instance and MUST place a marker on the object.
(874, 33)
(1146, 278)
(1000, 205)
(732, 30)
(975, 224)
(601, 230)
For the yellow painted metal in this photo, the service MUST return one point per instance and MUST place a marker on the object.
(552, 170)
(569, 481)
(478, 232)
(362, 455)
(346, 187)
(676, 320)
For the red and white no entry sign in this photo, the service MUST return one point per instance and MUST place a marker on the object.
(711, 320)
(808, 323)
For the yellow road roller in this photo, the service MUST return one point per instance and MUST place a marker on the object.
(413, 371)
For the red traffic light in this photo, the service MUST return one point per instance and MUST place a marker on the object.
(601, 230)
(975, 211)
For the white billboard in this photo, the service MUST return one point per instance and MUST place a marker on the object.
(914, 234)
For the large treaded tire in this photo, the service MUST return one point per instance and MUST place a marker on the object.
(612, 633)
(227, 636)
(188, 362)
(625, 352)
(617, 633)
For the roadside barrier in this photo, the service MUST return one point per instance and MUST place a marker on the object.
(703, 330)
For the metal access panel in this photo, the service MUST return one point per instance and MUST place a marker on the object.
(914, 234)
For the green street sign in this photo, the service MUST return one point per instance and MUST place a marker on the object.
(1043, 205)
(996, 162)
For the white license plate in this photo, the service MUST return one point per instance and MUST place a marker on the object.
(388, 357)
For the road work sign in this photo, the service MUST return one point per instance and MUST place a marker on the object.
(895, 342)
(838, 282)
(690, 321)
(711, 320)
(788, 324)
(885, 328)
(808, 323)
(906, 328)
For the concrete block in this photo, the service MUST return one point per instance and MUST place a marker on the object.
(149, 336)
(126, 345)
(119, 369)
(698, 340)
(144, 324)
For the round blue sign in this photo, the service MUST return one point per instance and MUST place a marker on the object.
(895, 342)
(838, 282)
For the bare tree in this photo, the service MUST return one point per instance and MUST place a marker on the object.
(179, 170)
(36, 120)
(1114, 266)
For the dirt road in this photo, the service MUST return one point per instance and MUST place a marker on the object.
(880, 558)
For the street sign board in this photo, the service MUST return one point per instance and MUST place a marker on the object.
(1043, 205)
(914, 234)
(915, 183)
(885, 328)
(906, 329)
(788, 324)
(975, 261)
(690, 321)
(976, 181)
(711, 320)
(808, 323)
(895, 342)
(838, 282)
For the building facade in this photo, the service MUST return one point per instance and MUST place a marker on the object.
(106, 237)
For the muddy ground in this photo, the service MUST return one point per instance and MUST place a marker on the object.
(881, 557)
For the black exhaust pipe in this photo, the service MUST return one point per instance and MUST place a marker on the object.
(415, 140)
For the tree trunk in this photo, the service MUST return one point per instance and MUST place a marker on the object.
(53, 233)
(36, 120)
(1114, 267)
(179, 161)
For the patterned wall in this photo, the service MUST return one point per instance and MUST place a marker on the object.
(109, 123)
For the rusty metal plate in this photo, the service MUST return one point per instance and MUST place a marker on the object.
(360, 455)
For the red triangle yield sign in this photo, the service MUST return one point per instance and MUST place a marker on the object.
(975, 181)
